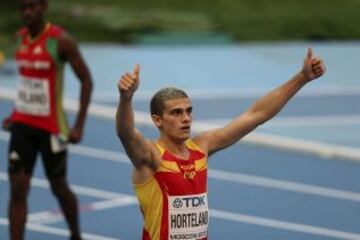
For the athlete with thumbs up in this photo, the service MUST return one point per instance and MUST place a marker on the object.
(170, 173)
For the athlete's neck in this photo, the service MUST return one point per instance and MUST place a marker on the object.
(37, 29)
(179, 149)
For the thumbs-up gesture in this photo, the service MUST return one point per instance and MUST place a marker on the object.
(129, 82)
(313, 66)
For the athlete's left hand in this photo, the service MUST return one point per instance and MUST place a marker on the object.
(75, 135)
(6, 124)
(313, 66)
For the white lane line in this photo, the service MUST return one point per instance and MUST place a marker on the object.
(330, 151)
(230, 216)
(229, 176)
(303, 121)
(58, 231)
(53, 216)
(242, 218)
(99, 153)
(222, 94)
(271, 223)
(284, 185)
(238, 93)
(86, 191)
(112, 200)
(240, 178)
(284, 225)
(314, 121)
(324, 150)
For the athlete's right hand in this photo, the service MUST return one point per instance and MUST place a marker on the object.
(6, 124)
(129, 82)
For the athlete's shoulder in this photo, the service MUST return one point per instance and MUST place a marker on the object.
(194, 144)
(21, 32)
(56, 31)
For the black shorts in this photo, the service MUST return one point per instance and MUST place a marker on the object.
(26, 142)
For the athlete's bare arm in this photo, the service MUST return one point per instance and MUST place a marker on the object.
(69, 51)
(263, 109)
(137, 147)
(6, 122)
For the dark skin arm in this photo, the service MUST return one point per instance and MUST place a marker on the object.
(69, 51)
(6, 122)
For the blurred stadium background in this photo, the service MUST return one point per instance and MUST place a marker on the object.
(140, 21)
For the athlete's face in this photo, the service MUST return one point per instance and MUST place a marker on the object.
(32, 12)
(175, 122)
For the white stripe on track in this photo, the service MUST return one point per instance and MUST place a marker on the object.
(284, 185)
(58, 231)
(303, 121)
(296, 227)
(220, 175)
(237, 93)
(53, 216)
(330, 151)
(240, 178)
(237, 217)
(86, 191)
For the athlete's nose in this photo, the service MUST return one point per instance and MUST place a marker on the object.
(186, 117)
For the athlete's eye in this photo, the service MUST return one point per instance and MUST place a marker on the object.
(189, 110)
(176, 111)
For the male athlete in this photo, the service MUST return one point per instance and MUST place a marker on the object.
(170, 173)
(38, 122)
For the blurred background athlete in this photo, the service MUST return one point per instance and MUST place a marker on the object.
(38, 122)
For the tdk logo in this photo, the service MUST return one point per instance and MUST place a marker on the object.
(189, 202)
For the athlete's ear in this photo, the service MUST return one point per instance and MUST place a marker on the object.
(156, 120)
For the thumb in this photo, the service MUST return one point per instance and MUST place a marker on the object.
(309, 54)
(137, 70)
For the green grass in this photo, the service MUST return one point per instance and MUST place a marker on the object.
(163, 20)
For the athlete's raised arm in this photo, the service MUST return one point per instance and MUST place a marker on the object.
(136, 146)
(263, 109)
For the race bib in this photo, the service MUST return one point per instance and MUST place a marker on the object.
(33, 97)
(188, 216)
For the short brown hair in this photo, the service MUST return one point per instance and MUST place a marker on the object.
(157, 103)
